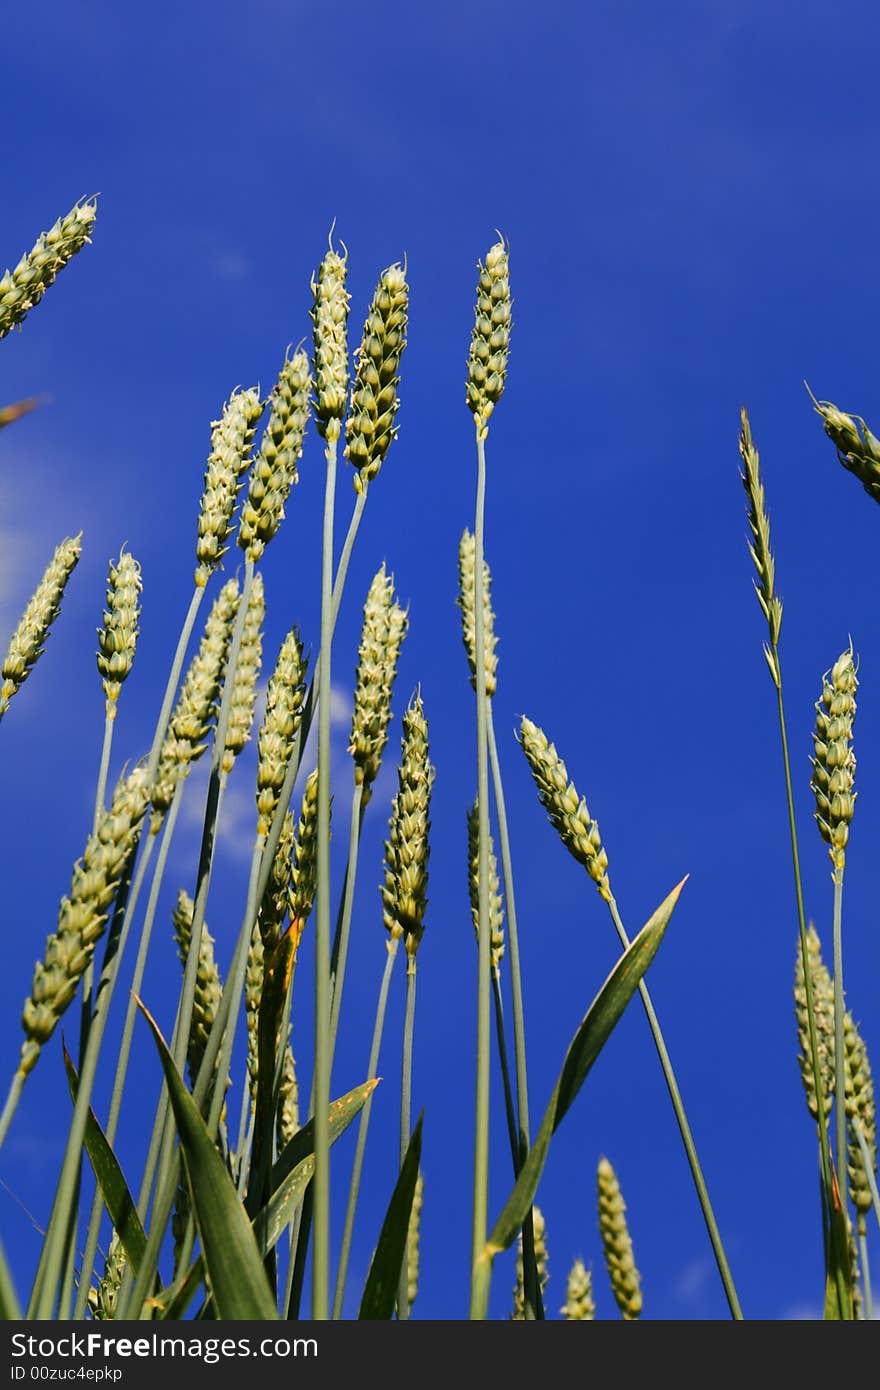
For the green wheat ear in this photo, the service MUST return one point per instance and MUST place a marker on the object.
(370, 427)
(567, 811)
(117, 637)
(857, 448)
(231, 439)
(496, 905)
(384, 628)
(275, 467)
(103, 1299)
(413, 1237)
(208, 990)
(23, 287)
(330, 320)
(616, 1242)
(490, 339)
(579, 1305)
(407, 849)
(29, 637)
(466, 601)
(861, 1113)
(82, 916)
(823, 1007)
(834, 762)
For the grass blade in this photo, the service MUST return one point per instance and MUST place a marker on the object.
(109, 1177)
(380, 1290)
(602, 1016)
(238, 1281)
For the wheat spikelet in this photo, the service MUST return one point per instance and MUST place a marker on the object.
(467, 603)
(568, 812)
(490, 340)
(823, 1009)
(519, 1298)
(284, 704)
(274, 471)
(304, 874)
(253, 994)
(413, 1241)
(117, 637)
(857, 448)
(29, 637)
(759, 545)
(208, 988)
(860, 1112)
(82, 916)
(103, 1299)
(616, 1242)
(370, 426)
(407, 849)
(247, 670)
(384, 628)
(287, 1120)
(496, 906)
(231, 439)
(273, 908)
(330, 319)
(579, 1305)
(23, 287)
(190, 724)
(834, 762)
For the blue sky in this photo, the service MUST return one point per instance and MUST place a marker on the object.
(693, 224)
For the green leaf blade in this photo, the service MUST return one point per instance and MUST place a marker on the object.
(380, 1290)
(234, 1266)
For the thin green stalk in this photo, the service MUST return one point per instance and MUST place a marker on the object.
(104, 768)
(65, 1297)
(685, 1129)
(839, 1012)
(866, 1275)
(505, 1073)
(246, 1112)
(119, 1079)
(363, 1126)
(173, 679)
(100, 793)
(484, 1022)
(343, 924)
(10, 1310)
(9, 1109)
(321, 1180)
(531, 1283)
(406, 1115)
(50, 1268)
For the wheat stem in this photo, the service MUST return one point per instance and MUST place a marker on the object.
(406, 1115)
(533, 1300)
(481, 1139)
(321, 1180)
(839, 1015)
(363, 1126)
(171, 685)
(343, 924)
